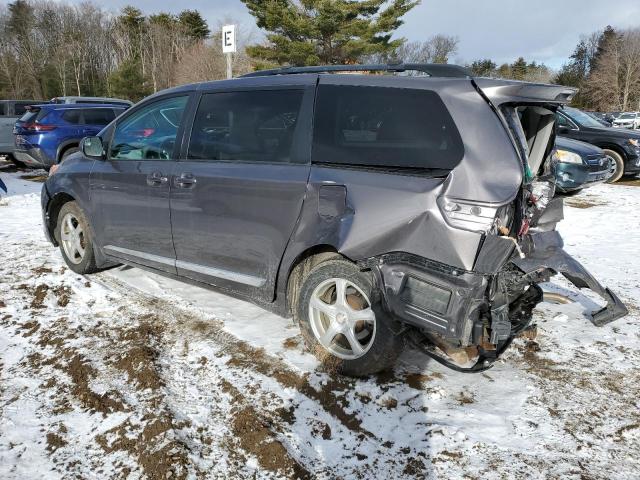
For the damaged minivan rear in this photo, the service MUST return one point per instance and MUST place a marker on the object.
(438, 197)
(376, 209)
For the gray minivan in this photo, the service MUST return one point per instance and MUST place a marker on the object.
(374, 209)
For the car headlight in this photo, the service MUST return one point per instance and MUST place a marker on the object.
(634, 142)
(564, 156)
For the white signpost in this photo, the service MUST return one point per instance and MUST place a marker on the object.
(229, 45)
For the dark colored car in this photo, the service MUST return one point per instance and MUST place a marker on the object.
(47, 134)
(580, 165)
(367, 206)
(10, 111)
(600, 117)
(621, 145)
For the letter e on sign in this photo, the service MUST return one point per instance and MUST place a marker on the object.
(229, 39)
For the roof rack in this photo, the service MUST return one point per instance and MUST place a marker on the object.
(431, 69)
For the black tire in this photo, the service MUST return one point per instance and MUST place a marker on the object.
(85, 263)
(68, 152)
(571, 193)
(384, 345)
(617, 158)
(17, 163)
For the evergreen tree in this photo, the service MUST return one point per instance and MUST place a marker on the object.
(483, 68)
(195, 26)
(128, 82)
(519, 69)
(311, 32)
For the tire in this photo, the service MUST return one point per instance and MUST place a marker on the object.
(67, 152)
(17, 163)
(74, 236)
(617, 158)
(323, 319)
(571, 193)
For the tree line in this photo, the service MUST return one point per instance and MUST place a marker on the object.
(50, 49)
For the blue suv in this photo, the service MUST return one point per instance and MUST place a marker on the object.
(47, 134)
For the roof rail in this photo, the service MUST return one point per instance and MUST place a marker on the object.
(431, 69)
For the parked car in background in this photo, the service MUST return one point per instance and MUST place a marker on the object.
(628, 120)
(580, 165)
(10, 111)
(621, 145)
(47, 134)
(93, 100)
(366, 206)
(601, 117)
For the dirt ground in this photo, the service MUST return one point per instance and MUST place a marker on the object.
(125, 375)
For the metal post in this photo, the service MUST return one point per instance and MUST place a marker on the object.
(229, 72)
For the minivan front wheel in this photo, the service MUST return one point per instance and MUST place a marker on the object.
(339, 314)
(618, 165)
(74, 236)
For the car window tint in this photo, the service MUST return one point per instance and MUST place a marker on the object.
(72, 116)
(98, 116)
(384, 127)
(150, 133)
(20, 108)
(562, 121)
(256, 126)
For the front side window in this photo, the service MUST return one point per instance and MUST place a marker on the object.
(255, 126)
(150, 133)
(384, 127)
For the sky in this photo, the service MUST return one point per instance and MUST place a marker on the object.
(546, 31)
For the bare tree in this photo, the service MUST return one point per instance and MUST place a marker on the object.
(614, 82)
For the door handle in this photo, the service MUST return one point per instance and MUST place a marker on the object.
(156, 179)
(185, 180)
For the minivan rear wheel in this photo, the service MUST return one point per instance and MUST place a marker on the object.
(342, 322)
(619, 165)
(74, 237)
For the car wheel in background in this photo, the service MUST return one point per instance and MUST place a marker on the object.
(68, 152)
(619, 165)
(339, 312)
(74, 237)
(17, 163)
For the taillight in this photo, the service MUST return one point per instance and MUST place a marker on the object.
(38, 127)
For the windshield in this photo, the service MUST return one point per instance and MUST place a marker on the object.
(581, 118)
(627, 116)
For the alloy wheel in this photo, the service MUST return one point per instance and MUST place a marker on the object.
(72, 237)
(342, 319)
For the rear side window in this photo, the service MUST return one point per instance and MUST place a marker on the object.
(384, 127)
(98, 116)
(256, 126)
(20, 107)
(72, 116)
(33, 115)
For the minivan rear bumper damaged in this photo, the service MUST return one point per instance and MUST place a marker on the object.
(481, 311)
(544, 251)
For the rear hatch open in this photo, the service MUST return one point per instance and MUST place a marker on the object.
(528, 113)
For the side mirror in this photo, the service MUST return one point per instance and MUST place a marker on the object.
(563, 130)
(92, 147)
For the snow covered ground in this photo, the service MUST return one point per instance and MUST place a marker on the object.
(126, 374)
